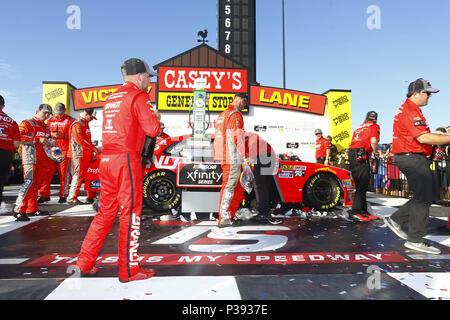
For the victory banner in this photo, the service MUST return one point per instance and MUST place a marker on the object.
(95, 97)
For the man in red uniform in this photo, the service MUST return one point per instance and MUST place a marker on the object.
(9, 141)
(34, 136)
(128, 117)
(364, 144)
(59, 126)
(322, 148)
(412, 145)
(81, 150)
(229, 148)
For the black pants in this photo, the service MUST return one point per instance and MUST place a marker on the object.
(261, 185)
(416, 212)
(321, 160)
(361, 174)
(6, 159)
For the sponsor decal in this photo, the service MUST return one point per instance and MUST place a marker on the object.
(95, 97)
(292, 145)
(325, 169)
(347, 183)
(286, 174)
(233, 259)
(299, 173)
(287, 167)
(287, 99)
(95, 185)
(260, 128)
(134, 243)
(199, 174)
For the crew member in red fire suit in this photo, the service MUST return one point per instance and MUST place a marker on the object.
(128, 117)
(364, 144)
(9, 142)
(34, 136)
(229, 148)
(81, 150)
(59, 126)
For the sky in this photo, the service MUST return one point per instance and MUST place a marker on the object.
(328, 46)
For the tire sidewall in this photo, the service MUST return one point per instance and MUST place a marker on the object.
(155, 177)
(312, 183)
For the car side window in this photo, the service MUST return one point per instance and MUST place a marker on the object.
(196, 151)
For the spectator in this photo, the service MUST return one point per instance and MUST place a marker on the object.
(9, 142)
(34, 136)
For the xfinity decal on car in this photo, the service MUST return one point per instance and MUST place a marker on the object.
(204, 174)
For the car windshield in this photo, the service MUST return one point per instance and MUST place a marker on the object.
(193, 150)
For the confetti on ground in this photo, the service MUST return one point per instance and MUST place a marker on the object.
(343, 292)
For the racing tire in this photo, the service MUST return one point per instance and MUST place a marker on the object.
(160, 191)
(322, 192)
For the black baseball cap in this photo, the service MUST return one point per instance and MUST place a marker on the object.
(2, 101)
(47, 108)
(372, 115)
(421, 85)
(134, 66)
(60, 108)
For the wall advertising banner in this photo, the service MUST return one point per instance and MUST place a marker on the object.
(176, 87)
(287, 99)
(57, 92)
(339, 117)
(95, 97)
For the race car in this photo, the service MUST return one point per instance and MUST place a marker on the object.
(183, 163)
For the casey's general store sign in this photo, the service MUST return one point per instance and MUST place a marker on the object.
(95, 97)
(288, 99)
(176, 85)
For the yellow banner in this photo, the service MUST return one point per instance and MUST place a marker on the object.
(55, 92)
(181, 101)
(340, 118)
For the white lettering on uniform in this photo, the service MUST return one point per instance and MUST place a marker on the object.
(134, 243)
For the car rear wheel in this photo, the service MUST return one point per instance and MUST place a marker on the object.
(322, 192)
(160, 191)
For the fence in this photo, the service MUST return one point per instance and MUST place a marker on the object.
(391, 181)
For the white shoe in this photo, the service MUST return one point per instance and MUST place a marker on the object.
(395, 227)
(6, 207)
(422, 247)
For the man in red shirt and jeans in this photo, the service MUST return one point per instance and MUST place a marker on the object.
(322, 148)
(364, 143)
(412, 145)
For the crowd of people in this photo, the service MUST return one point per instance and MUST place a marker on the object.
(129, 120)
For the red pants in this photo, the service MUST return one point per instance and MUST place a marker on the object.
(121, 189)
(232, 191)
(33, 176)
(63, 171)
(80, 166)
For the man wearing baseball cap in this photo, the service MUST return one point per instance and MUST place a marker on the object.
(128, 117)
(34, 136)
(59, 126)
(412, 145)
(81, 151)
(364, 144)
(322, 148)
